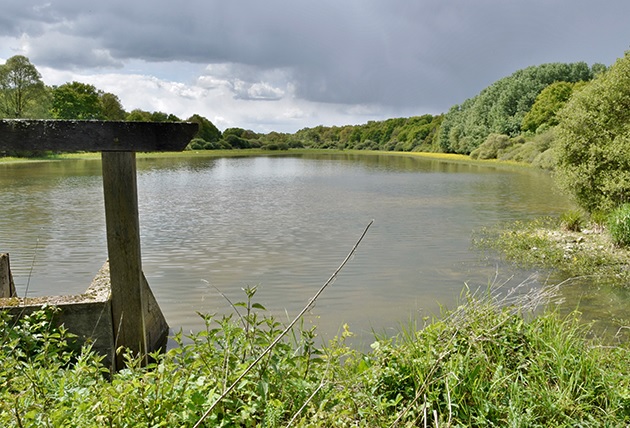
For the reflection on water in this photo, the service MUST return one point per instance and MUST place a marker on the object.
(284, 223)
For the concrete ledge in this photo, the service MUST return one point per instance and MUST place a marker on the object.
(89, 315)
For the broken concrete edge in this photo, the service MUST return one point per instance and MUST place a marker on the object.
(89, 316)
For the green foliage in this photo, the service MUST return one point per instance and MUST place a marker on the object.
(76, 100)
(549, 244)
(547, 104)
(22, 92)
(111, 107)
(593, 141)
(399, 134)
(239, 138)
(492, 147)
(82, 101)
(485, 363)
(501, 107)
(619, 225)
(207, 130)
(572, 220)
(139, 115)
(535, 150)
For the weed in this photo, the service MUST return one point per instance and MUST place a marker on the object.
(572, 220)
(619, 225)
(484, 363)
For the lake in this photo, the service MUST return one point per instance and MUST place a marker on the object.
(283, 223)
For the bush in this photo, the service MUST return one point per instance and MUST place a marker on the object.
(494, 145)
(593, 141)
(619, 225)
(483, 364)
(275, 146)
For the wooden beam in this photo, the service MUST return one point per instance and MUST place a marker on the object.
(94, 136)
(7, 287)
(123, 247)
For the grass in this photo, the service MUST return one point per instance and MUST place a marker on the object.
(565, 245)
(448, 157)
(487, 362)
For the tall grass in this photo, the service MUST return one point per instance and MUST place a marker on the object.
(487, 362)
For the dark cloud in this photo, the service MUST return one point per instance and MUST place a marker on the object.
(399, 53)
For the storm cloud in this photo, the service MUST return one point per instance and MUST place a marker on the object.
(299, 63)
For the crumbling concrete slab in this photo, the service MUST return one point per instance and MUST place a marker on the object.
(89, 315)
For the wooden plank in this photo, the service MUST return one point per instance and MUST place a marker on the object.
(94, 136)
(7, 287)
(123, 247)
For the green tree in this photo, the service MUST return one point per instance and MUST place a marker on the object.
(501, 107)
(111, 107)
(139, 115)
(22, 92)
(159, 116)
(547, 104)
(77, 100)
(593, 141)
(207, 131)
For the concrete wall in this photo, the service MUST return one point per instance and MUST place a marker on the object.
(89, 315)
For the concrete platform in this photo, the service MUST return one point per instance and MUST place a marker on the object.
(89, 315)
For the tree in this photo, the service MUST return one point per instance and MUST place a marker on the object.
(111, 107)
(207, 131)
(593, 141)
(159, 116)
(138, 115)
(21, 88)
(77, 100)
(547, 104)
(501, 107)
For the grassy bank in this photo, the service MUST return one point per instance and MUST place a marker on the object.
(446, 157)
(485, 363)
(548, 243)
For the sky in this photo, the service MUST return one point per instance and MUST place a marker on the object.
(282, 66)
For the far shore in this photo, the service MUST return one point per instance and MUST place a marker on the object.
(446, 157)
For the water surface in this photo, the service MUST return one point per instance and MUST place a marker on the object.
(282, 223)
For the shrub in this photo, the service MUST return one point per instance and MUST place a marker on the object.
(196, 144)
(593, 141)
(275, 146)
(484, 363)
(619, 225)
(492, 147)
(546, 160)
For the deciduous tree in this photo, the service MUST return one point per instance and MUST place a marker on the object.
(77, 100)
(593, 141)
(22, 92)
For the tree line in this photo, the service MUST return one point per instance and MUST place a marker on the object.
(569, 117)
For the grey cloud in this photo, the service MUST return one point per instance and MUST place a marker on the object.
(247, 82)
(400, 53)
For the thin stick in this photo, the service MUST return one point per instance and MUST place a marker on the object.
(308, 400)
(286, 330)
(30, 272)
(229, 301)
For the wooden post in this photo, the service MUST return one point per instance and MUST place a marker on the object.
(118, 142)
(123, 247)
(7, 287)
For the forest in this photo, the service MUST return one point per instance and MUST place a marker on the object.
(512, 111)
(518, 106)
